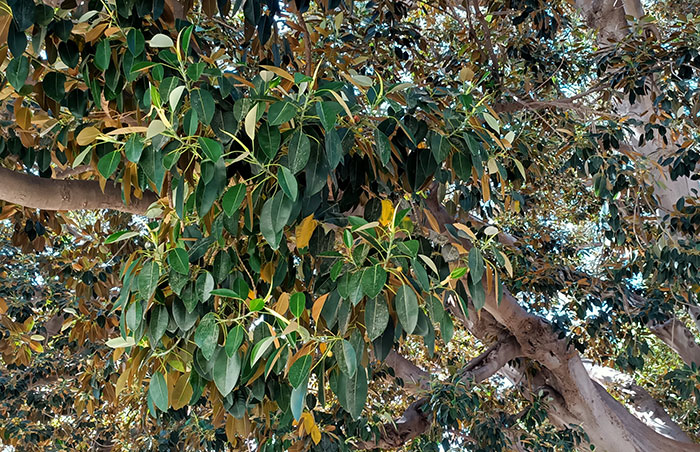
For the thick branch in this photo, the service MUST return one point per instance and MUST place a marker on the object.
(50, 194)
(642, 404)
(675, 334)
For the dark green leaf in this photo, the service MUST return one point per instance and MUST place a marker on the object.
(158, 391)
(327, 113)
(133, 148)
(345, 355)
(373, 280)
(288, 183)
(376, 317)
(234, 339)
(269, 138)
(148, 279)
(54, 85)
(135, 42)
(297, 304)
(299, 370)
(476, 265)
(226, 371)
(356, 393)
(406, 304)
(109, 163)
(299, 151)
(179, 261)
(206, 336)
(203, 104)
(17, 72)
(381, 142)
(103, 52)
(212, 148)
(233, 198)
(158, 323)
(281, 112)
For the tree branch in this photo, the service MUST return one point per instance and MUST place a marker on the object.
(677, 336)
(642, 404)
(51, 194)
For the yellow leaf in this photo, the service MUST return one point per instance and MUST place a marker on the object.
(315, 435)
(465, 228)
(267, 272)
(433, 222)
(23, 115)
(128, 130)
(387, 212)
(230, 429)
(182, 392)
(87, 136)
(279, 71)
(507, 264)
(305, 230)
(318, 306)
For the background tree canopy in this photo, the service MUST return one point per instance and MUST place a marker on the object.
(333, 225)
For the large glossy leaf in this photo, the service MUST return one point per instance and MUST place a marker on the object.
(203, 103)
(298, 399)
(158, 323)
(356, 393)
(148, 279)
(226, 371)
(299, 370)
(299, 151)
(206, 336)
(212, 148)
(178, 259)
(281, 112)
(158, 391)
(233, 198)
(345, 355)
(376, 317)
(406, 304)
(373, 280)
(288, 183)
(234, 339)
(17, 71)
(476, 265)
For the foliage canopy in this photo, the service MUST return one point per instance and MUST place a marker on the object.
(306, 220)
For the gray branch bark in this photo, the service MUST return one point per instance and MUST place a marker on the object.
(51, 194)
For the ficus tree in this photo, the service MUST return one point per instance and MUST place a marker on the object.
(333, 225)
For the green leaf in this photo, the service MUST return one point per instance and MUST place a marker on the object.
(381, 142)
(476, 290)
(185, 320)
(345, 355)
(327, 113)
(226, 371)
(212, 148)
(373, 280)
(406, 304)
(158, 391)
(440, 147)
(203, 103)
(17, 72)
(158, 323)
(297, 400)
(476, 265)
(206, 336)
(257, 304)
(54, 85)
(119, 236)
(288, 183)
(281, 112)
(148, 279)
(103, 52)
(179, 261)
(356, 393)
(273, 217)
(299, 151)
(205, 285)
(447, 328)
(260, 348)
(297, 304)
(227, 293)
(109, 163)
(234, 339)
(376, 317)
(135, 42)
(269, 139)
(133, 148)
(134, 315)
(299, 370)
(493, 122)
(233, 198)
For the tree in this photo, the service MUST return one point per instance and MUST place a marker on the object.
(350, 225)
